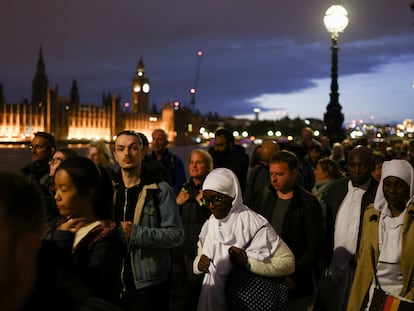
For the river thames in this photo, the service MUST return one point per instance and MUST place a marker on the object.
(14, 157)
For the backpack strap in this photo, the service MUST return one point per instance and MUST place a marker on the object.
(173, 169)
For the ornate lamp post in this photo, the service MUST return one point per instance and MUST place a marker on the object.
(335, 20)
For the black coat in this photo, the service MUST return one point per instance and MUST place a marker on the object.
(97, 259)
(57, 288)
(302, 231)
(193, 217)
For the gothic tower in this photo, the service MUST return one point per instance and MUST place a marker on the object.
(140, 90)
(40, 85)
(74, 95)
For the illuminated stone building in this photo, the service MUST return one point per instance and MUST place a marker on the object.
(70, 120)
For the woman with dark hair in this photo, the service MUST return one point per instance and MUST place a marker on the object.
(58, 157)
(97, 245)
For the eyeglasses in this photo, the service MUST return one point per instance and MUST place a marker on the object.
(215, 200)
(55, 161)
(37, 146)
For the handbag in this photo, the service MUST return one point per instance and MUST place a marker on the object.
(381, 301)
(248, 291)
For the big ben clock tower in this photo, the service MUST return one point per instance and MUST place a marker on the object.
(140, 90)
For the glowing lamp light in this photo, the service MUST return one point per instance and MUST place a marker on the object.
(336, 19)
(192, 90)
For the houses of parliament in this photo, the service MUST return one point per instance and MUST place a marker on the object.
(69, 120)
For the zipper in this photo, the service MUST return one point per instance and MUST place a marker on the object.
(123, 262)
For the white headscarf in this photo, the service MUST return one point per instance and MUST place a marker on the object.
(221, 180)
(397, 168)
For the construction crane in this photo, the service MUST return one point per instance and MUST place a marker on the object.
(193, 90)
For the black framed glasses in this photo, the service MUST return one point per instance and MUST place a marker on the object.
(215, 200)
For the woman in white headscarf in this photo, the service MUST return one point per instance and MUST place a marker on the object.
(387, 240)
(236, 236)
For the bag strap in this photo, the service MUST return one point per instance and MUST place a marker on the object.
(377, 284)
(254, 235)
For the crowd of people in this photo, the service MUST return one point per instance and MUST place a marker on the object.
(124, 228)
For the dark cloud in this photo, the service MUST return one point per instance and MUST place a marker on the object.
(250, 48)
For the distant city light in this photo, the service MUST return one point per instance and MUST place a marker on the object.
(176, 105)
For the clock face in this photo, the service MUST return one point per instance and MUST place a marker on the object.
(137, 88)
(146, 88)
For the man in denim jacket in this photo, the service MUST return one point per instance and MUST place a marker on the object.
(146, 208)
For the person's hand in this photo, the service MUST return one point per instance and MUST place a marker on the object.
(182, 197)
(73, 224)
(127, 227)
(238, 257)
(199, 198)
(203, 264)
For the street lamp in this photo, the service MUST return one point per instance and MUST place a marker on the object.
(335, 20)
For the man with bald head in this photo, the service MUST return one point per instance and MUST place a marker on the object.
(171, 162)
(346, 202)
(259, 177)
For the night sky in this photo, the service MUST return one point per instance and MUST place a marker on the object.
(274, 55)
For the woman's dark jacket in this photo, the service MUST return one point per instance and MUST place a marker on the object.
(97, 258)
